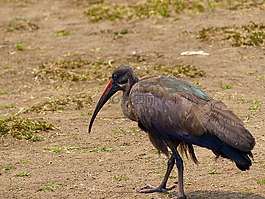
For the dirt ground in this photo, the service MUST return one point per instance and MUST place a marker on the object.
(54, 57)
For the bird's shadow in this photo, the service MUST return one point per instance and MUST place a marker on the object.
(222, 194)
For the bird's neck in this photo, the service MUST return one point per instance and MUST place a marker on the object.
(126, 104)
(127, 107)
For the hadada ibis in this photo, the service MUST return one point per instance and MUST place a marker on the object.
(176, 115)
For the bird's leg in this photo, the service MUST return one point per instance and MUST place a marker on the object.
(162, 187)
(179, 164)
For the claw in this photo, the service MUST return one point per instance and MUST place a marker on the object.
(151, 189)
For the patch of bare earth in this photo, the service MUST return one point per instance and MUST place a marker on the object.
(55, 62)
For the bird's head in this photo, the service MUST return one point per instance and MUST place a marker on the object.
(123, 78)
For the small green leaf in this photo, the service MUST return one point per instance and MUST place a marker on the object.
(212, 172)
(8, 167)
(63, 32)
(22, 174)
(20, 47)
(120, 177)
(51, 186)
(226, 86)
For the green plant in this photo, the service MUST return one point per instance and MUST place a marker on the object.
(24, 161)
(89, 112)
(261, 182)
(120, 177)
(95, 1)
(3, 92)
(63, 32)
(157, 171)
(256, 105)
(159, 8)
(20, 47)
(251, 34)
(226, 86)
(51, 186)
(212, 172)
(19, 187)
(250, 72)
(120, 34)
(54, 105)
(58, 149)
(75, 70)
(179, 70)
(8, 106)
(119, 12)
(8, 167)
(246, 118)
(23, 128)
(100, 149)
(118, 130)
(23, 174)
(55, 149)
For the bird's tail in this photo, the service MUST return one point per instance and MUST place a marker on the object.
(241, 158)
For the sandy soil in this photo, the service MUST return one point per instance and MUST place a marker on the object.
(54, 34)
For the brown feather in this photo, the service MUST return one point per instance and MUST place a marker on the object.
(188, 150)
(223, 123)
(159, 144)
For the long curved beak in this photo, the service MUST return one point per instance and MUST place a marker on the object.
(110, 90)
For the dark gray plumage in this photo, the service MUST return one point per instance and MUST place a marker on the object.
(176, 114)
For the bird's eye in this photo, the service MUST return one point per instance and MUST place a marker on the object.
(115, 76)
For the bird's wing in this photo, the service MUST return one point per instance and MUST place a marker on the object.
(186, 113)
(223, 123)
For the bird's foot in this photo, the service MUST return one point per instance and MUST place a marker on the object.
(151, 189)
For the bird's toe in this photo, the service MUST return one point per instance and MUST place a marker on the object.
(151, 189)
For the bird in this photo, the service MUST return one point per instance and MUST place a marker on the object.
(176, 115)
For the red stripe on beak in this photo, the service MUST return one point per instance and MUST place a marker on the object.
(106, 89)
